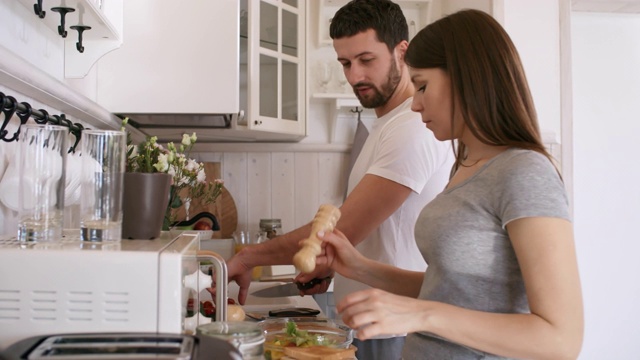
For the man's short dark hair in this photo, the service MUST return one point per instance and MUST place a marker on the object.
(383, 16)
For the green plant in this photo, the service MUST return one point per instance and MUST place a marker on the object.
(186, 173)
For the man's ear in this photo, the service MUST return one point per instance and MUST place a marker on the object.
(401, 49)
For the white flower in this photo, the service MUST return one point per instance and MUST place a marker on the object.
(184, 181)
(186, 139)
(191, 165)
(163, 163)
(201, 177)
(193, 138)
(172, 171)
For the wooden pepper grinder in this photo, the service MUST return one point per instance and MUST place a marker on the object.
(325, 220)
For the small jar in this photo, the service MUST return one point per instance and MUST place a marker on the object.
(245, 336)
(270, 227)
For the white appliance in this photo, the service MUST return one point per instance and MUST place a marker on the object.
(128, 286)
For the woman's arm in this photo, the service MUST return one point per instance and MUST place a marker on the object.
(554, 329)
(341, 256)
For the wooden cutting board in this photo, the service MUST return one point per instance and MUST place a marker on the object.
(224, 209)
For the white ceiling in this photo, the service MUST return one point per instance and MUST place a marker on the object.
(610, 6)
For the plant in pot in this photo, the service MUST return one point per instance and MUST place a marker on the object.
(158, 181)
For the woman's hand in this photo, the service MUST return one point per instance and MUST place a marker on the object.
(376, 312)
(339, 254)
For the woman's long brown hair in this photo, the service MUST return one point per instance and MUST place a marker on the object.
(488, 82)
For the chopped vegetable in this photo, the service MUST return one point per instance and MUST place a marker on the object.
(292, 336)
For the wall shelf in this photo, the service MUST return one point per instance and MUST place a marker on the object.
(339, 100)
(419, 13)
(105, 35)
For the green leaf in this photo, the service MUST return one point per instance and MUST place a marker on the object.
(291, 328)
(176, 202)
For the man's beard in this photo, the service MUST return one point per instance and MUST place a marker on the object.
(380, 97)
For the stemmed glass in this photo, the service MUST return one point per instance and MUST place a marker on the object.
(324, 75)
(338, 72)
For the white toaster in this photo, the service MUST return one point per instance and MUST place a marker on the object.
(78, 287)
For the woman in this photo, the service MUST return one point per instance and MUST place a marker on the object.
(502, 280)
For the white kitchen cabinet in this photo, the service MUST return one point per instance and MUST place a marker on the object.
(184, 65)
(176, 58)
(275, 64)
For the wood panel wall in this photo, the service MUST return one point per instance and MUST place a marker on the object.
(285, 185)
(289, 185)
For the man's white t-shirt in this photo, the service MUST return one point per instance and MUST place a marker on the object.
(399, 148)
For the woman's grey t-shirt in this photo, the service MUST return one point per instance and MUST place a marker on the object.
(462, 236)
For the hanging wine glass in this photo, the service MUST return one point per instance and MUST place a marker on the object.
(341, 79)
(324, 75)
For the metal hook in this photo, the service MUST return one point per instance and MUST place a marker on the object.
(63, 12)
(66, 122)
(8, 110)
(80, 29)
(357, 110)
(24, 117)
(76, 130)
(38, 9)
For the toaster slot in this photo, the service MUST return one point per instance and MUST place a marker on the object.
(114, 346)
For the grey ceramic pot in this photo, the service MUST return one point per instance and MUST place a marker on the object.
(145, 201)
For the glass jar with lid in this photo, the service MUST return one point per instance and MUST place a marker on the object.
(246, 336)
(270, 227)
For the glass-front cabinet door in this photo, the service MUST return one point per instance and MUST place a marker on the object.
(275, 58)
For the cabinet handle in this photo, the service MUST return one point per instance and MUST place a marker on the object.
(257, 122)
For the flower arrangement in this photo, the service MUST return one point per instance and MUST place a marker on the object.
(188, 176)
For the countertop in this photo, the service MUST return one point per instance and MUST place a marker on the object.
(264, 305)
(224, 247)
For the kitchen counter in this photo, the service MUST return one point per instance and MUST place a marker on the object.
(263, 305)
(224, 247)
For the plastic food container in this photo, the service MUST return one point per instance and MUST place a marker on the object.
(320, 331)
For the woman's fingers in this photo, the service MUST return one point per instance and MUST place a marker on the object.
(375, 312)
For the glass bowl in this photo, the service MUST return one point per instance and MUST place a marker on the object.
(319, 331)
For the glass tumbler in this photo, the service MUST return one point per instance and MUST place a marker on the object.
(103, 164)
(41, 182)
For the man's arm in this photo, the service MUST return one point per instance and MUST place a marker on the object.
(370, 203)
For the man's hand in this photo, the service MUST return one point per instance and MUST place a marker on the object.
(320, 272)
(240, 273)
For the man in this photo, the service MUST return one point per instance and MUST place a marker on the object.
(400, 169)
